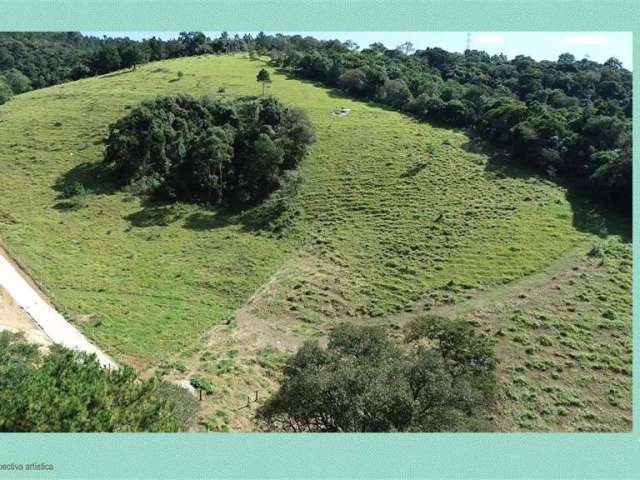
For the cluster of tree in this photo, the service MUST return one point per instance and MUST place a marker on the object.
(44, 58)
(49, 58)
(442, 378)
(67, 391)
(569, 117)
(210, 149)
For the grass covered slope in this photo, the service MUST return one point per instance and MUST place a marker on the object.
(394, 216)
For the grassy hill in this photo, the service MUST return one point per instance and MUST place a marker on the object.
(394, 217)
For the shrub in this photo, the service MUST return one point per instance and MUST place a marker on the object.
(353, 81)
(596, 251)
(17, 81)
(75, 189)
(395, 93)
(5, 91)
(185, 405)
(209, 149)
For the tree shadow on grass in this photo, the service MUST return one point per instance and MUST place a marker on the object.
(85, 179)
(589, 215)
(68, 205)
(210, 218)
(99, 178)
(96, 178)
(154, 215)
(413, 170)
(159, 213)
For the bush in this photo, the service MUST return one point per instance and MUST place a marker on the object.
(17, 81)
(75, 189)
(353, 81)
(209, 149)
(394, 93)
(185, 405)
(5, 91)
(364, 382)
(201, 384)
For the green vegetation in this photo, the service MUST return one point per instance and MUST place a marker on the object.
(392, 217)
(210, 150)
(363, 382)
(66, 391)
(5, 91)
(264, 78)
(567, 118)
(566, 348)
(49, 58)
(201, 385)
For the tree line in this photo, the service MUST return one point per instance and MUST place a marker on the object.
(49, 58)
(568, 118)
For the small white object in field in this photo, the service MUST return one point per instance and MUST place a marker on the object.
(342, 112)
(186, 384)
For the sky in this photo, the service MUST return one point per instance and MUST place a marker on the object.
(598, 46)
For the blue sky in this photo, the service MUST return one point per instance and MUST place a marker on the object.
(599, 46)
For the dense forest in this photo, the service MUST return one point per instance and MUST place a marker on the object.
(569, 118)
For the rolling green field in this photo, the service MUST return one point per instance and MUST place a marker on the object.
(394, 217)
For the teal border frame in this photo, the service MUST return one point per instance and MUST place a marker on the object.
(372, 456)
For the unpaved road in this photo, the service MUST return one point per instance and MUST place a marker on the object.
(14, 319)
(54, 325)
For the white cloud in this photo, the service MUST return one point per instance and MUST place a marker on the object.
(487, 39)
(580, 40)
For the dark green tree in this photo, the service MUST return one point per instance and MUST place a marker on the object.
(264, 78)
(106, 59)
(66, 391)
(5, 91)
(364, 382)
(131, 55)
(17, 81)
(353, 81)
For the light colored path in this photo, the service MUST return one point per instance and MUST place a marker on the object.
(52, 323)
(15, 319)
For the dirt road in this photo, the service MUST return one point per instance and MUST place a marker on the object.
(53, 325)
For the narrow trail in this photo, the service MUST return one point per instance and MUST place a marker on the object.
(520, 290)
(52, 323)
